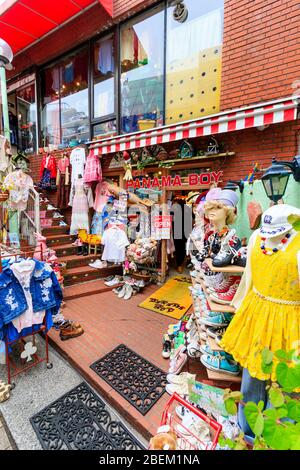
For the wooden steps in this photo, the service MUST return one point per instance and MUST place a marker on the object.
(74, 260)
(86, 273)
(60, 239)
(56, 230)
(86, 289)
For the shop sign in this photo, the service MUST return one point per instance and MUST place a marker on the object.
(162, 226)
(166, 182)
(22, 82)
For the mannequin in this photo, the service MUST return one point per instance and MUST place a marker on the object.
(267, 302)
(81, 201)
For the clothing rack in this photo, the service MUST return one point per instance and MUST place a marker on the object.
(12, 368)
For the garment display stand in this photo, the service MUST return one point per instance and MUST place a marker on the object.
(12, 368)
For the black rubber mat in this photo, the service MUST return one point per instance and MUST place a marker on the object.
(80, 420)
(136, 379)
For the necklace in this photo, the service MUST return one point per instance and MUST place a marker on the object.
(271, 251)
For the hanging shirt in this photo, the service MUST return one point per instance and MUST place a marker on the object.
(23, 271)
(19, 185)
(77, 160)
(115, 241)
(92, 171)
(101, 196)
(4, 153)
(106, 57)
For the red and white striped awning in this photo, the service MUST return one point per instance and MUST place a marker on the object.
(262, 114)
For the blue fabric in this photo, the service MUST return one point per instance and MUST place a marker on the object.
(45, 291)
(9, 333)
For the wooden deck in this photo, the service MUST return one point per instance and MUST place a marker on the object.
(109, 321)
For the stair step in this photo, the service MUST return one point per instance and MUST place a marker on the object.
(86, 273)
(64, 249)
(86, 289)
(56, 230)
(60, 239)
(74, 261)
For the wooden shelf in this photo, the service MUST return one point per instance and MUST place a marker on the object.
(212, 375)
(214, 306)
(232, 269)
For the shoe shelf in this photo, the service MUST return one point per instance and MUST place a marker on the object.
(232, 269)
(213, 345)
(219, 376)
(214, 306)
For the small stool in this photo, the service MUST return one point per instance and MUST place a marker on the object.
(93, 249)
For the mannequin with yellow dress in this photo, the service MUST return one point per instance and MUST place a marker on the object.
(267, 302)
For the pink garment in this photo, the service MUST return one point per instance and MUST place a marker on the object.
(63, 164)
(101, 196)
(92, 171)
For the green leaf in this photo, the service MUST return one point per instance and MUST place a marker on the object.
(294, 220)
(267, 369)
(293, 408)
(276, 435)
(276, 397)
(267, 356)
(259, 444)
(230, 406)
(261, 405)
(271, 414)
(281, 355)
(282, 412)
(288, 377)
(254, 417)
(293, 432)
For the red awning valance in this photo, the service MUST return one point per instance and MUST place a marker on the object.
(262, 114)
(23, 22)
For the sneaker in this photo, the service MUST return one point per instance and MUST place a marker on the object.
(205, 349)
(182, 411)
(194, 350)
(122, 292)
(220, 364)
(220, 319)
(51, 208)
(62, 223)
(225, 286)
(203, 336)
(57, 215)
(180, 389)
(181, 378)
(109, 278)
(98, 264)
(225, 298)
(167, 347)
(117, 290)
(227, 252)
(129, 292)
(214, 332)
(115, 281)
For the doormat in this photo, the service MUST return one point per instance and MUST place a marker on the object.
(173, 299)
(80, 420)
(136, 379)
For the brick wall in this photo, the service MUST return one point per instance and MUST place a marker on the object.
(260, 54)
(126, 8)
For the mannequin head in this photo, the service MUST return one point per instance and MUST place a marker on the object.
(219, 214)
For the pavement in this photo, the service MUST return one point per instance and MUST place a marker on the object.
(34, 390)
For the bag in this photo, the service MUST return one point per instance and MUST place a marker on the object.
(255, 212)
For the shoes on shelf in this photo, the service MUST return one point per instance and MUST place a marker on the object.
(98, 264)
(205, 349)
(181, 389)
(218, 320)
(181, 378)
(220, 364)
(213, 332)
(109, 278)
(113, 282)
(225, 298)
(51, 208)
(57, 215)
(226, 284)
(227, 252)
(193, 349)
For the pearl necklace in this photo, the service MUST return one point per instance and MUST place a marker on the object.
(271, 251)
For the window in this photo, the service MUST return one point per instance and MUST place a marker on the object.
(194, 59)
(105, 129)
(142, 72)
(65, 117)
(26, 112)
(104, 81)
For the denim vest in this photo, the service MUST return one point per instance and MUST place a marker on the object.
(45, 291)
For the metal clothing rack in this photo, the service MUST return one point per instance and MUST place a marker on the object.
(12, 368)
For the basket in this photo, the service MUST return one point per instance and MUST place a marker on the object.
(141, 277)
(4, 196)
(186, 440)
(145, 124)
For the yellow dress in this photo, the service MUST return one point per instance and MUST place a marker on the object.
(269, 316)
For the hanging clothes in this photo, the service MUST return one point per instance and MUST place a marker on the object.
(5, 153)
(48, 173)
(77, 160)
(102, 195)
(63, 183)
(106, 57)
(115, 241)
(81, 201)
(18, 184)
(92, 171)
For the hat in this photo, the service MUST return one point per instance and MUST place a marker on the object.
(274, 220)
(191, 197)
(225, 196)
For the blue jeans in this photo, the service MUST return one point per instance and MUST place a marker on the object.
(252, 390)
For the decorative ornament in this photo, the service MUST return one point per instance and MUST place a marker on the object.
(186, 150)
(271, 251)
(29, 351)
(127, 166)
(213, 146)
(180, 12)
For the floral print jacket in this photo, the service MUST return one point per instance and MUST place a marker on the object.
(44, 288)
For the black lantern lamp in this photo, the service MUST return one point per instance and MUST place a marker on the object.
(234, 185)
(275, 180)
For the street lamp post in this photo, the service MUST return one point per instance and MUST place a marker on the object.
(6, 57)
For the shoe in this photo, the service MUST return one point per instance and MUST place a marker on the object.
(227, 297)
(226, 284)
(227, 252)
(109, 278)
(218, 339)
(203, 336)
(220, 364)
(218, 320)
(79, 250)
(214, 332)
(98, 264)
(51, 208)
(62, 223)
(179, 340)
(122, 292)
(85, 250)
(167, 347)
(113, 282)
(194, 349)
(56, 215)
(182, 411)
(181, 389)
(129, 292)
(240, 259)
(181, 378)
(205, 349)
(117, 290)
(71, 330)
(173, 329)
